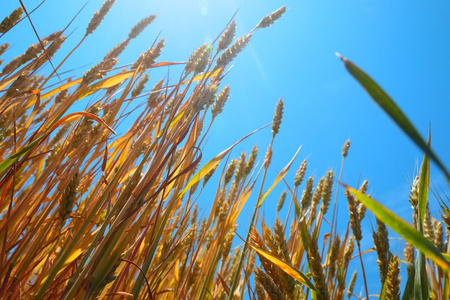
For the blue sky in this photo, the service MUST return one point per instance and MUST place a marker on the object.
(403, 46)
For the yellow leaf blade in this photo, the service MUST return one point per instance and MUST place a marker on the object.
(213, 163)
(204, 75)
(277, 179)
(61, 88)
(106, 83)
(8, 82)
(288, 269)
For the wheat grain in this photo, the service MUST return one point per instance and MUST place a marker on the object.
(277, 117)
(327, 191)
(393, 281)
(428, 231)
(349, 251)
(355, 222)
(316, 200)
(98, 71)
(268, 20)
(438, 235)
(195, 58)
(240, 169)
(364, 186)
(152, 100)
(409, 253)
(300, 174)
(11, 20)
(271, 288)
(140, 86)
(227, 37)
(208, 176)
(281, 200)
(307, 194)
(280, 240)
(140, 26)
(345, 148)
(204, 98)
(203, 60)
(268, 157)
(98, 16)
(351, 284)
(272, 271)
(3, 48)
(333, 257)
(283, 252)
(117, 50)
(230, 53)
(315, 262)
(228, 240)
(259, 290)
(361, 211)
(148, 58)
(32, 52)
(50, 52)
(17, 86)
(220, 101)
(68, 198)
(414, 193)
(251, 161)
(381, 242)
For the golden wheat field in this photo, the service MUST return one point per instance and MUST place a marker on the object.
(108, 191)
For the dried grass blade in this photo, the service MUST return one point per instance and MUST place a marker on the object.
(78, 115)
(224, 284)
(365, 252)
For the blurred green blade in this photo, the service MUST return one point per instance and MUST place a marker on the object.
(389, 106)
(409, 288)
(402, 228)
(420, 278)
(24, 151)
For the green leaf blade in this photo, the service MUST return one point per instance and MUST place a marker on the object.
(403, 229)
(424, 183)
(394, 112)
